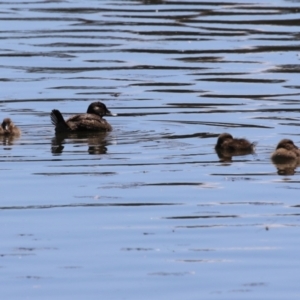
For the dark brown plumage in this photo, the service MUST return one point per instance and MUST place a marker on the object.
(229, 144)
(90, 121)
(8, 128)
(285, 151)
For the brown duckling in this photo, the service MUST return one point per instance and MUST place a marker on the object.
(90, 121)
(8, 128)
(229, 144)
(285, 151)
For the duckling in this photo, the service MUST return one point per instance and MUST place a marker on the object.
(227, 143)
(90, 121)
(8, 128)
(285, 151)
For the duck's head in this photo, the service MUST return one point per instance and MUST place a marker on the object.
(286, 144)
(99, 109)
(222, 138)
(7, 122)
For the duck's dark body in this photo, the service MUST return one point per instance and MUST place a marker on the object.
(90, 121)
(286, 150)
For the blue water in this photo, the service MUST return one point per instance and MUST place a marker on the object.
(149, 210)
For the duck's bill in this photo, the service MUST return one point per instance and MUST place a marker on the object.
(111, 114)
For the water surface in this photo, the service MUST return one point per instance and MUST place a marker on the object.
(149, 210)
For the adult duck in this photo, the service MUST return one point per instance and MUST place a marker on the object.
(92, 120)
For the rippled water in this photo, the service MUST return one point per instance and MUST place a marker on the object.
(149, 210)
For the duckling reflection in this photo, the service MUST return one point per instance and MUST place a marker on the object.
(286, 168)
(96, 142)
(226, 156)
(227, 146)
(92, 120)
(8, 140)
(286, 157)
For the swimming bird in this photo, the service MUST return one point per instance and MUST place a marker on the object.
(285, 151)
(90, 121)
(229, 144)
(8, 128)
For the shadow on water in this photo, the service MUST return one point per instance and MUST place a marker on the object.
(87, 205)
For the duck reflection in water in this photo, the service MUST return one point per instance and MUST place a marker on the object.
(8, 131)
(286, 157)
(227, 146)
(92, 120)
(96, 141)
